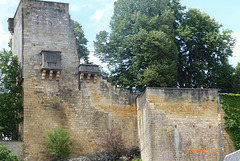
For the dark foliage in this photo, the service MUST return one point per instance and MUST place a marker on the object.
(133, 153)
(83, 51)
(127, 154)
(231, 106)
(11, 107)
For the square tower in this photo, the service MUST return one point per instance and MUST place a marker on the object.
(44, 41)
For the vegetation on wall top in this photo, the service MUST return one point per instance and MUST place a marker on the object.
(231, 106)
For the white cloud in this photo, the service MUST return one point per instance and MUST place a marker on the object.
(236, 51)
(100, 13)
(96, 61)
(79, 6)
(4, 38)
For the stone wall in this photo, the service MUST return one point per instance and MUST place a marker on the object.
(172, 123)
(15, 146)
(183, 124)
(17, 39)
(143, 127)
(53, 99)
(106, 107)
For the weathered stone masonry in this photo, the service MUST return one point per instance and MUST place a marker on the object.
(173, 121)
(57, 91)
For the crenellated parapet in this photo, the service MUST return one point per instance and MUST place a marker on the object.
(90, 74)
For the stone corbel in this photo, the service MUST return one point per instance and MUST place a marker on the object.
(95, 78)
(81, 77)
(88, 78)
(57, 75)
(50, 74)
(43, 74)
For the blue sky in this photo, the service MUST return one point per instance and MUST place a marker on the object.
(95, 15)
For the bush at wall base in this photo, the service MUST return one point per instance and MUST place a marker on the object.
(5, 154)
(58, 143)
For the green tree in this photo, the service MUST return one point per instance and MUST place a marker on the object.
(5, 154)
(11, 108)
(58, 143)
(81, 42)
(203, 52)
(140, 48)
(236, 79)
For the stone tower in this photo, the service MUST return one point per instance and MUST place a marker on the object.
(59, 92)
(167, 124)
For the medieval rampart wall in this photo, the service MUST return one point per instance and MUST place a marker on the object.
(58, 92)
(52, 95)
(179, 121)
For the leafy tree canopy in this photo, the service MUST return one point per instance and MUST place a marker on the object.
(81, 42)
(236, 79)
(10, 96)
(156, 43)
(140, 49)
(203, 52)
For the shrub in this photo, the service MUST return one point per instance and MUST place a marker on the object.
(59, 142)
(114, 143)
(5, 154)
(115, 148)
(133, 153)
(104, 156)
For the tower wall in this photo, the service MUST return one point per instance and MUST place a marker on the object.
(17, 33)
(46, 26)
(53, 93)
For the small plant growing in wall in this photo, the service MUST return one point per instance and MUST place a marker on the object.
(58, 9)
(58, 143)
(27, 12)
(5, 154)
